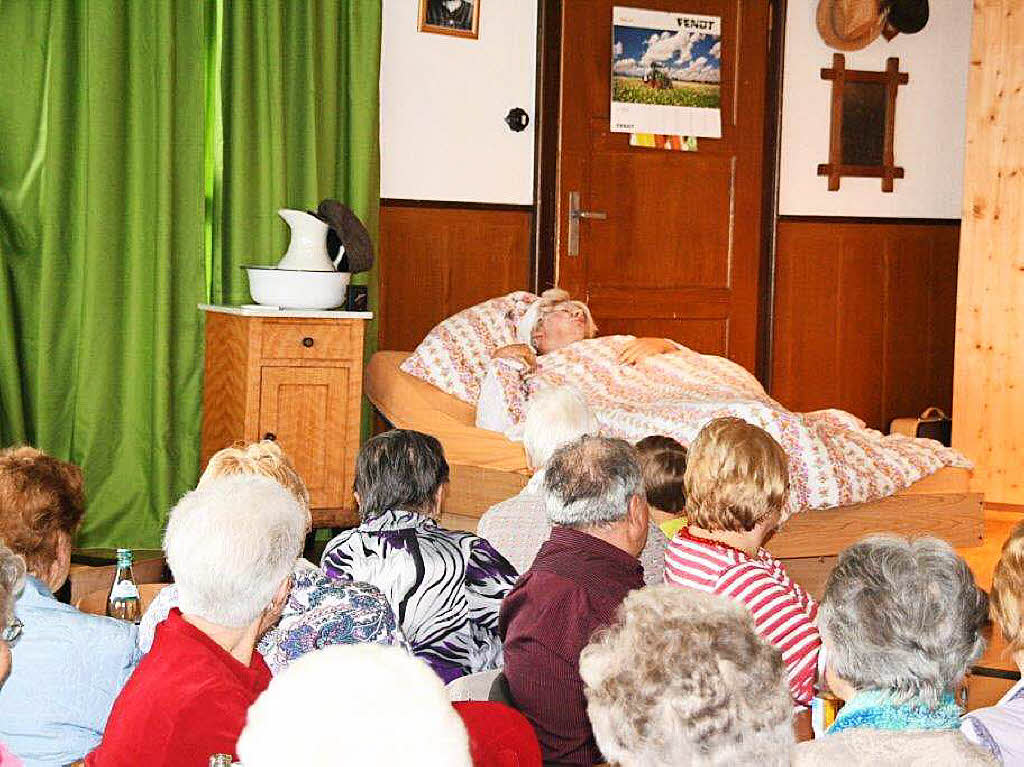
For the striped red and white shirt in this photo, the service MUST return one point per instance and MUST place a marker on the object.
(783, 612)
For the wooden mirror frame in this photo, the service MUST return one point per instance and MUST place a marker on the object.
(892, 79)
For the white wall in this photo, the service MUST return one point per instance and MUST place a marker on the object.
(930, 118)
(443, 102)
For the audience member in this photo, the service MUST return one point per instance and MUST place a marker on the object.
(518, 526)
(320, 610)
(231, 546)
(901, 622)
(663, 462)
(682, 678)
(12, 580)
(357, 705)
(446, 586)
(68, 667)
(594, 496)
(1000, 728)
(736, 484)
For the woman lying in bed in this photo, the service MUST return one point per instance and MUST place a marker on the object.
(552, 323)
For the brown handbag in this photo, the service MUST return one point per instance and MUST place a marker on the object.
(933, 423)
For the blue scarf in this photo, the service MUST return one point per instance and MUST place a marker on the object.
(875, 709)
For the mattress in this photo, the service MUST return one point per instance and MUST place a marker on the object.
(409, 403)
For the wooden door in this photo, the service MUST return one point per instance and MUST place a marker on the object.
(679, 252)
(306, 409)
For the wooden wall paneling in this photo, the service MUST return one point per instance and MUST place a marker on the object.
(436, 261)
(864, 316)
(988, 400)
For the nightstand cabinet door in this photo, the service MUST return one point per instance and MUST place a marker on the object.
(307, 410)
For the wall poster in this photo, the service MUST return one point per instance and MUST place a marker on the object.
(666, 72)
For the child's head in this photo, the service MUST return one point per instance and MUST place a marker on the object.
(663, 462)
(264, 458)
(736, 477)
(1007, 597)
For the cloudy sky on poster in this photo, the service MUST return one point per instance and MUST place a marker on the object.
(685, 56)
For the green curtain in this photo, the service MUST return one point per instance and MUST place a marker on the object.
(299, 124)
(101, 248)
(144, 148)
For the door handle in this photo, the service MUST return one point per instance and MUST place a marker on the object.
(575, 214)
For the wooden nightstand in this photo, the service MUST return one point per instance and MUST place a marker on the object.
(295, 377)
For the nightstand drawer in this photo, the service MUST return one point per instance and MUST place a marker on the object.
(309, 340)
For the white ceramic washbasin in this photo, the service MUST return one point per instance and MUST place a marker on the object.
(297, 288)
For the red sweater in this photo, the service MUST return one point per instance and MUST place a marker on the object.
(188, 699)
(575, 585)
(783, 613)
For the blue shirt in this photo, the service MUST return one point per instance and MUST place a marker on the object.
(67, 668)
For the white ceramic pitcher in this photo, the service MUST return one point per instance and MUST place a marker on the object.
(308, 247)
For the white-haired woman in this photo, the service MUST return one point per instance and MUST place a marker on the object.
(551, 323)
(518, 526)
(12, 579)
(901, 623)
(320, 610)
(682, 677)
(231, 546)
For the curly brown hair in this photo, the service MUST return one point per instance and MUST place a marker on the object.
(40, 498)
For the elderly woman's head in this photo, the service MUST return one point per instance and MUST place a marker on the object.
(265, 459)
(682, 677)
(231, 545)
(12, 576)
(554, 417)
(1007, 605)
(42, 502)
(400, 715)
(403, 470)
(556, 321)
(903, 617)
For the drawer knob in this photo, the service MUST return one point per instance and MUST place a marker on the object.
(271, 436)
(307, 342)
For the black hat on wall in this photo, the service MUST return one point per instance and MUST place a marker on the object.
(908, 16)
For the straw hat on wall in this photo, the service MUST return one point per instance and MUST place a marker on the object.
(849, 25)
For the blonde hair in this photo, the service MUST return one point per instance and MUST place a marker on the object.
(736, 476)
(554, 299)
(1008, 590)
(264, 459)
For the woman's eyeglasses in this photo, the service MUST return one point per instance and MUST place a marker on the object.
(12, 633)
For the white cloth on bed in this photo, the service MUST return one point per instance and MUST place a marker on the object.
(834, 460)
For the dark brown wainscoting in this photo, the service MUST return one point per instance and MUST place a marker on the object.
(439, 258)
(864, 316)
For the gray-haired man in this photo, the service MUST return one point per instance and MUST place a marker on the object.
(594, 496)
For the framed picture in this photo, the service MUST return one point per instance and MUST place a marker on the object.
(460, 18)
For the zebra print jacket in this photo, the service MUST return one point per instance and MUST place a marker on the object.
(445, 586)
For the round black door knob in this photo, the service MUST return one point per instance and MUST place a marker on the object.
(517, 119)
(307, 342)
(271, 436)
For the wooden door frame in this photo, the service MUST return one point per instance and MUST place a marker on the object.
(547, 106)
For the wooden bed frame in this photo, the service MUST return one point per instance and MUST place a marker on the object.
(940, 505)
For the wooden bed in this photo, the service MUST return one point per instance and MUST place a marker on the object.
(487, 468)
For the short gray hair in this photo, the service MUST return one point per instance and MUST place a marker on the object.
(555, 416)
(591, 481)
(230, 544)
(681, 677)
(903, 616)
(399, 469)
(12, 579)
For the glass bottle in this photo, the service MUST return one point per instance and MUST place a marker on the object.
(123, 601)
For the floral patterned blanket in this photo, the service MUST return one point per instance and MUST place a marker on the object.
(834, 460)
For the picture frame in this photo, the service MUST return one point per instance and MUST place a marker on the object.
(458, 18)
(862, 124)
